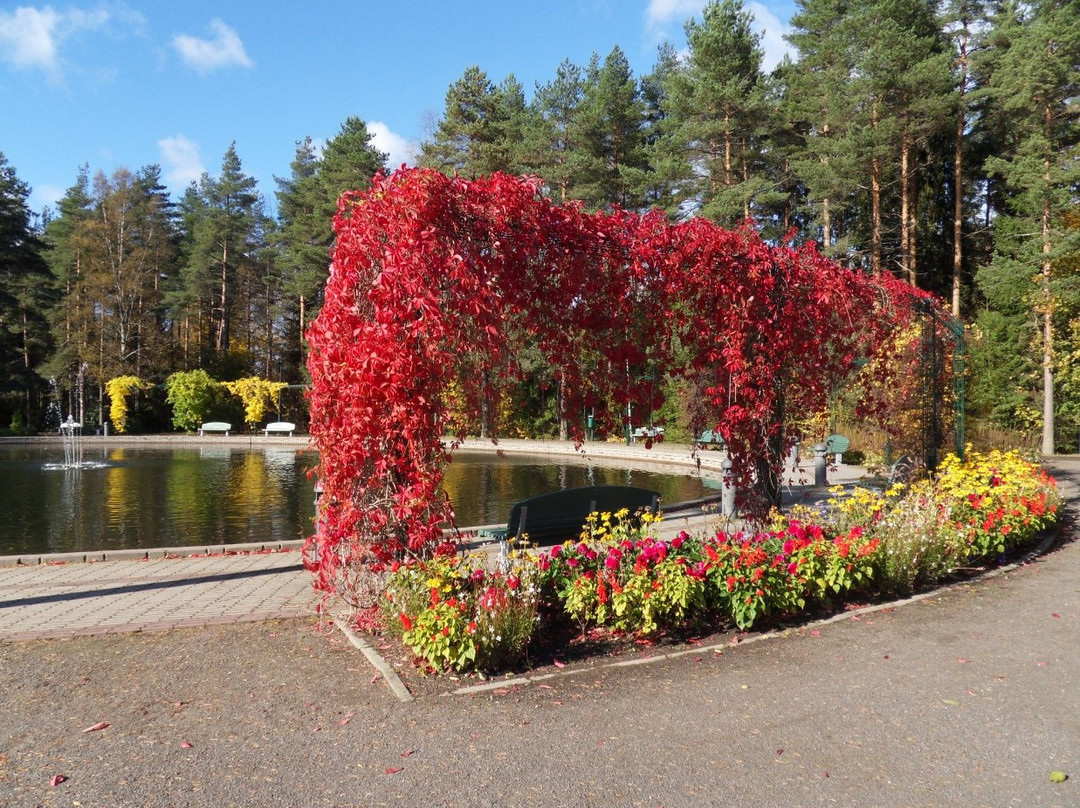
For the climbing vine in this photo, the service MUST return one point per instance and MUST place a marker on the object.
(440, 285)
(118, 389)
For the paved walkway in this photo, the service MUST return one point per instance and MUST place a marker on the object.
(107, 597)
(64, 596)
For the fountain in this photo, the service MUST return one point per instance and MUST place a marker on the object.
(71, 437)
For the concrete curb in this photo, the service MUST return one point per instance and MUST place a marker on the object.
(376, 659)
(150, 554)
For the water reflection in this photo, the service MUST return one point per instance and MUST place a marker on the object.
(135, 497)
(483, 487)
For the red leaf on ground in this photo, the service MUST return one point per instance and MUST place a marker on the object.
(394, 770)
(815, 633)
(558, 664)
(185, 745)
(1056, 615)
(962, 661)
(407, 752)
(98, 726)
(57, 779)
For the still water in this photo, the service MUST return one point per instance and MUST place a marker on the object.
(137, 498)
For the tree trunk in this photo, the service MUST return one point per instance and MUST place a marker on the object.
(958, 186)
(826, 223)
(1048, 305)
(875, 201)
(223, 324)
(906, 264)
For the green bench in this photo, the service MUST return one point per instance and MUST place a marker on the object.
(710, 438)
(556, 516)
(837, 445)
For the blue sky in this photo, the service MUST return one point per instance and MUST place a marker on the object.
(114, 84)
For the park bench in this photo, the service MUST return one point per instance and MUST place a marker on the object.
(837, 445)
(710, 438)
(646, 432)
(279, 427)
(215, 426)
(556, 516)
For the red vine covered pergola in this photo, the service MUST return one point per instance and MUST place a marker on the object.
(437, 283)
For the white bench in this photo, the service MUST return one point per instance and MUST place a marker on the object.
(279, 427)
(215, 426)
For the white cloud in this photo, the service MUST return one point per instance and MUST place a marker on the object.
(206, 55)
(662, 12)
(772, 32)
(398, 149)
(30, 38)
(180, 160)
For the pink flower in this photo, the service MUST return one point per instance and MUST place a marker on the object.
(554, 551)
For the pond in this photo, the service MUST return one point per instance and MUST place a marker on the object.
(125, 497)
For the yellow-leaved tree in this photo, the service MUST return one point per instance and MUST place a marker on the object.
(258, 396)
(119, 389)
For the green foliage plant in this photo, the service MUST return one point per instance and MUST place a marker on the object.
(454, 614)
(191, 394)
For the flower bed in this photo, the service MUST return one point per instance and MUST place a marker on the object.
(454, 615)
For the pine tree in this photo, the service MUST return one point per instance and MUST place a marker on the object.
(480, 131)
(24, 298)
(1034, 80)
(551, 134)
(611, 161)
(226, 233)
(717, 101)
(307, 204)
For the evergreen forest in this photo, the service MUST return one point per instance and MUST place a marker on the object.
(937, 141)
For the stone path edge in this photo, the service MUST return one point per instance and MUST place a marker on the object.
(149, 554)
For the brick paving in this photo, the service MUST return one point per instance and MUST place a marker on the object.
(107, 597)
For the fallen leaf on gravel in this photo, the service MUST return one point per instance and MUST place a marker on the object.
(185, 745)
(98, 726)
(779, 751)
(374, 678)
(1041, 663)
(962, 661)
(346, 718)
(545, 687)
(407, 752)
(1055, 777)
(500, 691)
(57, 779)
(1056, 615)
(815, 633)
(950, 702)
(394, 770)
(558, 664)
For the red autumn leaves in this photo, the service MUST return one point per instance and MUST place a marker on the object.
(440, 285)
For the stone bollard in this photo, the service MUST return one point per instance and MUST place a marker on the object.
(820, 464)
(727, 500)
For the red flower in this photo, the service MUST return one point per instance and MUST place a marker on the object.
(406, 623)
